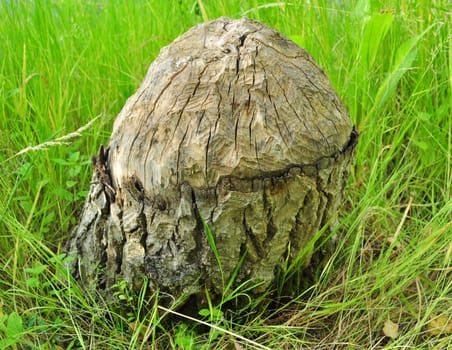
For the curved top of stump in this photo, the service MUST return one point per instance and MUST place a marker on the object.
(229, 98)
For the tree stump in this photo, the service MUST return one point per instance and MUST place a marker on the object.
(235, 127)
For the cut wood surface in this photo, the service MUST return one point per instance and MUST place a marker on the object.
(234, 125)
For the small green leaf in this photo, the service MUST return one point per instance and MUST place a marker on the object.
(71, 183)
(60, 161)
(6, 343)
(74, 157)
(74, 170)
(32, 320)
(32, 282)
(48, 218)
(217, 313)
(58, 258)
(81, 195)
(422, 145)
(68, 259)
(204, 312)
(14, 326)
(64, 194)
(37, 270)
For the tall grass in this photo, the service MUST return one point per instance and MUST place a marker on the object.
(64, 62)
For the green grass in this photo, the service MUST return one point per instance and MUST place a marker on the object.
(62, 63)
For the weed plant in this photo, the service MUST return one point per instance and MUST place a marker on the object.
(389, 282)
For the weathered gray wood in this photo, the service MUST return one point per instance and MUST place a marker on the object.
(233, 124)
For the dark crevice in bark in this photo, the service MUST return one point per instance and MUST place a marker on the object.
(207, 157)
(276, 52)
(219, 114)
(179, 149)
(142, 216)
(250, 127)
(202, 114)
(352, 141)
(103, 175)
(118, 261)
(195, 256)
(285, 171)
(257, 153)
(271, 231)
(237, 64)
(236, 131)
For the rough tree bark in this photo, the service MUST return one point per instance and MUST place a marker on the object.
(235, 125)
